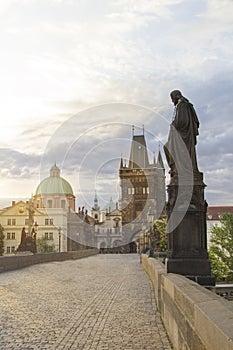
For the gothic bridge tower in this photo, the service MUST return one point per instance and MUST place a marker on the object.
(142, 183)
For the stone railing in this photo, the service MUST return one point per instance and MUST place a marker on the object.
(15, 262)
(194, 317)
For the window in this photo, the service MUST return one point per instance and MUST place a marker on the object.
(144, 190)
(8, 250)
(11, 222)
(8, 235)
(46, 235)
(147, 190)
(12, 250)
(13, 235)
(48, 221)
(50, 235)
(50, 203)
(63, 203)
(129, 190)
(132, 190)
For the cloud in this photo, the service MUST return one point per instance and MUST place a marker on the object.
(62, 58)
(16, 164)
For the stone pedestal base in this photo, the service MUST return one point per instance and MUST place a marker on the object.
(197, 270)
(187, 237)
(203, 280)
(196, 267)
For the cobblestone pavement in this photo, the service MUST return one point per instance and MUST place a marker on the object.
(101, 302)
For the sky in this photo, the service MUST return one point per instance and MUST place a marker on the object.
(77, 74)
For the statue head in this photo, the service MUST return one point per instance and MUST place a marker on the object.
(175, 96)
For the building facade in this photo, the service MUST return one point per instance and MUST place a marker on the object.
(50, 205)
(16, 217)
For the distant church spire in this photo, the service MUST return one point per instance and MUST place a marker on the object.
(154, 160)
(96, 205)
(121, 163)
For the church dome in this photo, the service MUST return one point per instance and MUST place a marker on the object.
(54, 184)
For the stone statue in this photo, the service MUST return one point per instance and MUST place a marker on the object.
(183, 132)
(28, 239)
(23, 237)
(186, 206)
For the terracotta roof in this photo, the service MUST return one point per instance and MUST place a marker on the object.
(213, 213)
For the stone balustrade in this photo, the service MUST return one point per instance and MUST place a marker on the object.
(194, 317)
(19, 261)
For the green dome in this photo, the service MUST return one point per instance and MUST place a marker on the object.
(54, 184)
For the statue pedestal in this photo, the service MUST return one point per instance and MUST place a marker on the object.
(187, 237)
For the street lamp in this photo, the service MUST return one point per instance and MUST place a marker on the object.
(150, 219)
(59, 239)
(33, 237)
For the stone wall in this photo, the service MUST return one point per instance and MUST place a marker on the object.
(15, 262)
(195, 318)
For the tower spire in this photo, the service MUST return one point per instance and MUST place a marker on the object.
(96, 205)
(154, 160)
(160, 159)
(133, 130)
(121, 162)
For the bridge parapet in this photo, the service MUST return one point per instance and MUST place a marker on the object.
(8, 263)
(194, 317)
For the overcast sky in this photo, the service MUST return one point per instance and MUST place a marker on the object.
(76, 74)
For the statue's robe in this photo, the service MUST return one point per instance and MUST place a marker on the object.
(180, 147)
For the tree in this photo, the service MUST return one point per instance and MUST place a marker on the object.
(43, 246)
(2, 236)
(221, 248)
(159, 235)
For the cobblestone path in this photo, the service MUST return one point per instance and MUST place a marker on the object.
(102, 302)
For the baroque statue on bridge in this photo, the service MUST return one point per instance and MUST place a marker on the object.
(182, 137)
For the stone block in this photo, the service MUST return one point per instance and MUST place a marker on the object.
(214, 323)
